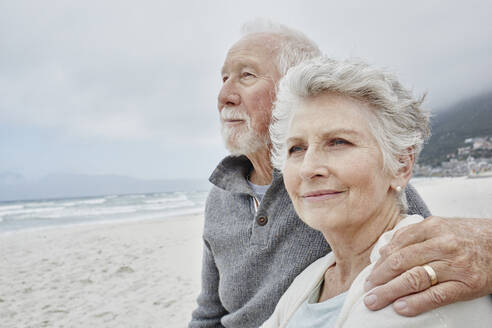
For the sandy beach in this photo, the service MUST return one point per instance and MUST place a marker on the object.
(142, 274)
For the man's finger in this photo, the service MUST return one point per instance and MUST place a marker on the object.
(402, 260)
(432, 298)
(412, 281)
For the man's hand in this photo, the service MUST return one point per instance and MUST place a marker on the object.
(459, 251)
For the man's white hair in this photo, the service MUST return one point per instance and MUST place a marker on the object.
(293, 46)
(398, 122)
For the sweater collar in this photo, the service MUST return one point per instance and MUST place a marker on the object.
(231, 175)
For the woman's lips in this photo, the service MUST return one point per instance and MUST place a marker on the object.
(319, 195)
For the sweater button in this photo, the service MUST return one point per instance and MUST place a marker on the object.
(262, 220)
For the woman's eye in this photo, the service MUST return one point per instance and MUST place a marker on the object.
(295, 149)
(339, 142)
(224, 78)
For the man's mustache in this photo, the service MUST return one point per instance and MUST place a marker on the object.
(228, 113)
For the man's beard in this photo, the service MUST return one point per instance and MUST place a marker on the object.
(241, 140)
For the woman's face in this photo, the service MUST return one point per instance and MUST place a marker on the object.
(334, 169)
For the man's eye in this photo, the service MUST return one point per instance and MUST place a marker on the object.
(247, 74)
(295, 149)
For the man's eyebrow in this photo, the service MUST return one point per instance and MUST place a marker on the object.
(247, 62)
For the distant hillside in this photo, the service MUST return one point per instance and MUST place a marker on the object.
(12, 187)
(466, 119)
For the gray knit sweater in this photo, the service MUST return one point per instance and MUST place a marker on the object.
(251, 257)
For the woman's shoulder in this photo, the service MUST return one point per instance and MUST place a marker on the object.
(472, 314)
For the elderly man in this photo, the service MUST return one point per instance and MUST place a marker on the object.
(254, 243)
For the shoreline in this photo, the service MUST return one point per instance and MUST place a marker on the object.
(55, 226)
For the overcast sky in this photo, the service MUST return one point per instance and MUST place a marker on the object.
(130, 87)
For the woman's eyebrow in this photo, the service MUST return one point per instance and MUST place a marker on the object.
(294, 139)
(326, 134)
(343, 131)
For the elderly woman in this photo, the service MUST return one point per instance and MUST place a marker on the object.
(346, 136)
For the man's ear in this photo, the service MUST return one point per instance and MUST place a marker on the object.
(404, 173)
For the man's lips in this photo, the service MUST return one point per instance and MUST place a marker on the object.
(318, 195)
(233, 121)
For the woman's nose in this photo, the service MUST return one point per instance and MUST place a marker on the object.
(313, 165)
(228, 95)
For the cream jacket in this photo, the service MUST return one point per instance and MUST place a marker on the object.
(471, 314)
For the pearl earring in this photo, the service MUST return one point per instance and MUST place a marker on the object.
(398, 189)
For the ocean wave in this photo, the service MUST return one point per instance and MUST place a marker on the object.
(3, 208)
(27, 211)
(138, 196)
(107, 208)
(40, 203)
(95, 201)
(68, 204)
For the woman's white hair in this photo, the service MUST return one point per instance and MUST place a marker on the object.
(398, 123)
(293, 46)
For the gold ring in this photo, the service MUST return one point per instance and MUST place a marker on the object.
(432, 274)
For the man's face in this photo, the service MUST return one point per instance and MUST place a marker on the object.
(245, 100)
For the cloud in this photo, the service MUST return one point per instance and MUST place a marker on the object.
(104, 71)
(96, 74)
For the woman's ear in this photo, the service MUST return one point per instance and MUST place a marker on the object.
(404, 173)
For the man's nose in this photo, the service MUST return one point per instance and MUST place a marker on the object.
(313, 165)
(228, 95)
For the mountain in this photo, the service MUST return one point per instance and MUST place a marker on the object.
(469, 118)
(79, 185)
